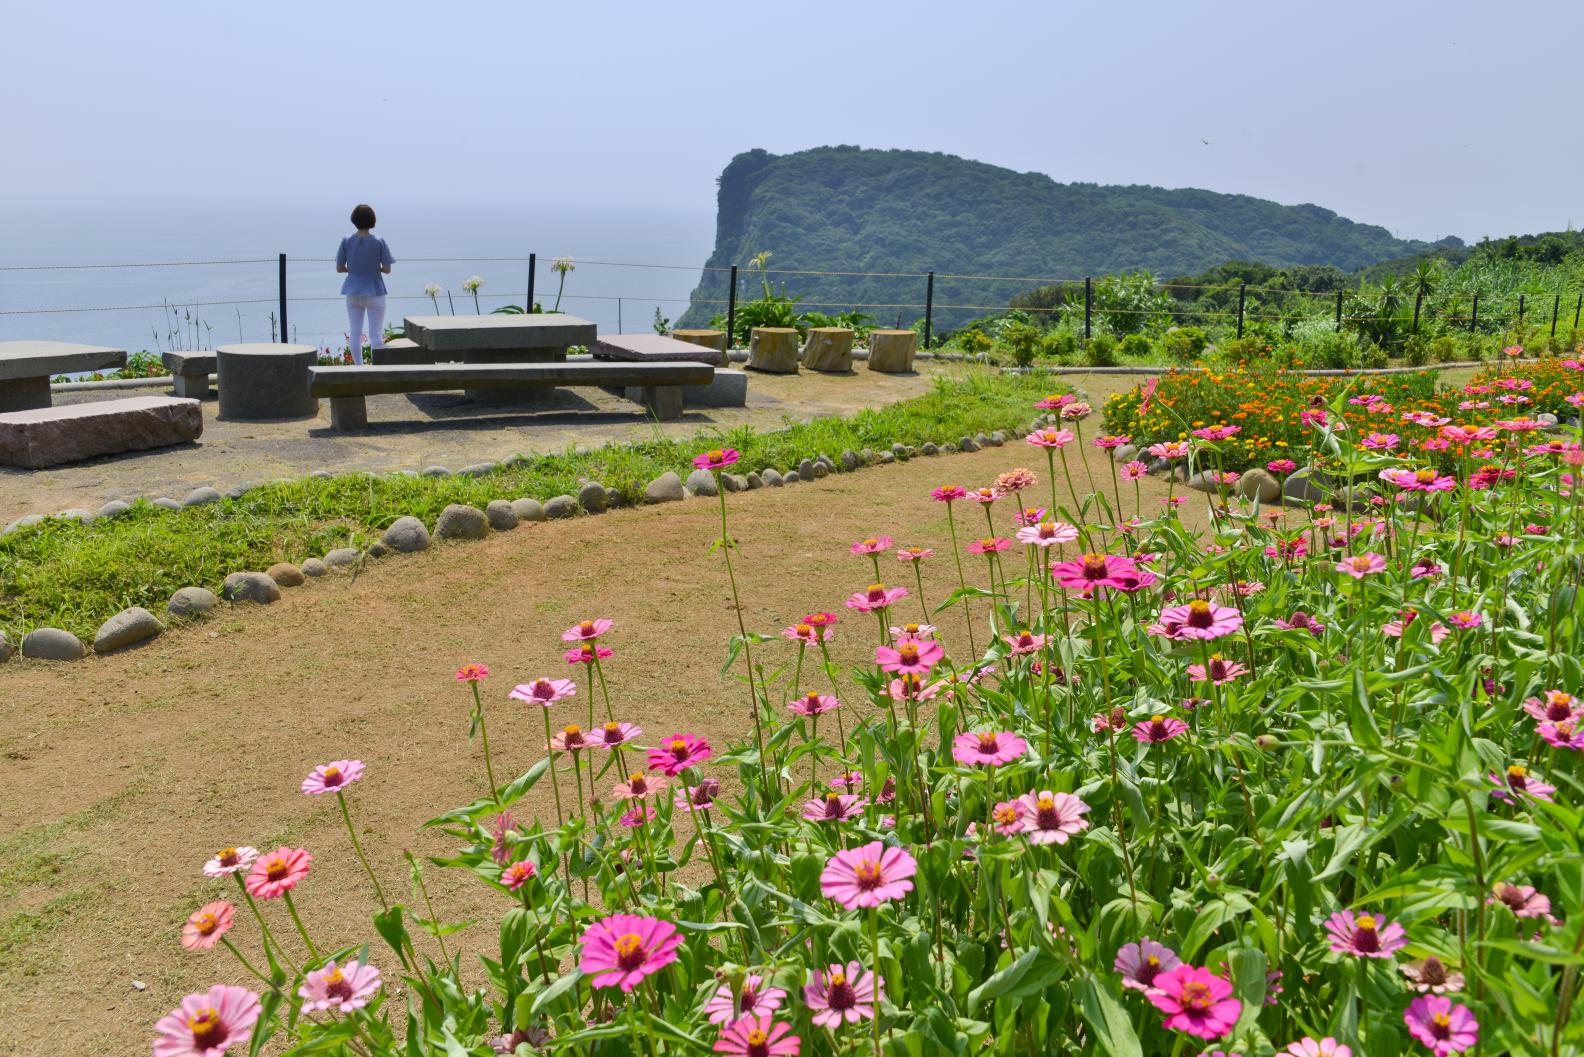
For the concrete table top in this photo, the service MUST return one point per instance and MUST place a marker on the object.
(41, 359)
(652, 348)
(537, 330)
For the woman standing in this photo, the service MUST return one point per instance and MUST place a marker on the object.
(365, 260)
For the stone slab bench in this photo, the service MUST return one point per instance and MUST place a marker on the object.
(505, 331)
(26, 368)
(190, 372)
(49, 436)
(260, 381)
(652, 348)
(402, 351)
(659, 385)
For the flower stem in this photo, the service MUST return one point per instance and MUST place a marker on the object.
(357, 846)
(291, 908)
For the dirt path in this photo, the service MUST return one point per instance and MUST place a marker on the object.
(121, 775)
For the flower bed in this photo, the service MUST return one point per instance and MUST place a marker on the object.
(1307, 786)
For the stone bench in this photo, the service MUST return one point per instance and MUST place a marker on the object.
(49, 436)
(190, 372)
(26, 368)
(658, 385)
(652, 348)
(265, 381)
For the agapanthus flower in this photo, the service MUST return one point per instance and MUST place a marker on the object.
(1046, 533)
(1364, 935)
(330, 777)
(1199, 620)
(867, 876)
(813, 703)
(756, 999)
(1430, 976)
(472, 673)
(1094, 572)
(1140, 963)
(1196, 1002)
(833, 807)
(613, 734)
(342, 988)
(948, 493)
(229, 861)
(543, 691)
(875, 597)
(988, 748)
(1525, 901)
(587, 630)
(1051, 818)
(1440, 1025)
(1217, 670)
(277, 873)
(208, 1023)
(718, 459)
(1022, 642)
(1359, 566)
(206, 925)
(872, 545)
(910, 656)
(843, 994)
(1517, 781)
(639, 785)
(622, 949)
(1050, 438)
(1158, 728)
(1312, 1047)
(518, 874)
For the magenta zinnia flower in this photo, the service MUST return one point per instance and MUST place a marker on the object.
(543, 691)
(1199, 620)
(229, 861)
(330, 777)
(1007, 817)
(639, 785)
(1364, 935)
(718, 459)
(518, 874)
(213, 920)
(833, 807)
(1020, 643)
(948, 493)
(1217, 671)
(277, 873)
(1050, 438)
(914, 554)
(1140, 963)
(1046, 533)
(1196, 1001)
(1443, 1027)
(619, 951)
(1361, 565)
(989, 545)
(757, 1037)
(872, 545)
(208, 1023)
(876, 596)
(341, 988)
(1095, 571)
(868, 876)
(1050, 818)
(756, 1000)
(613, 734)
(813, 704)
(1518, 782)
(1133, 471)
(910, 656)
(587, 629)
(699, 797)
(843, 993)
(472, 673)
(1158, 728)
(570, 739)
(587, 653)
(1311, 1047)
(1430, 976)
(1170, 450)
(988, 748)
(1525, 901)
(678, 753)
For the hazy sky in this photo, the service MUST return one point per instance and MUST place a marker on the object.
(1430, 118)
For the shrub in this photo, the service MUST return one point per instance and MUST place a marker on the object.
(1060, 345)
(1022, 340)
(973, 342)
(1184, 344)
(1135, 347)
(1444, 349)
(1416, 351)
(1100, 351)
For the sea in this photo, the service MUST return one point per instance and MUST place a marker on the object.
(164, 275)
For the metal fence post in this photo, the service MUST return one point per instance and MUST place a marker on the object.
(1339, 312)
(283, 331)
(1520, 309)
(1242, 288)
(1088, 306)
(1576, 308)
(533, 262)
(929, 307)
(1474, 316)
(1418, 300)
(731, 309)
(1556, 306)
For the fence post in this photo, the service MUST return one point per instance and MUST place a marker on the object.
(1520, 309)
(283, 331)
(1242, 288)
(1339, 312)
(1088, 306)
(1576, 311)
(1418, 300)
(929, 307)
(1556, 306)
(1474, 316)
(731, 309)
(533, 266)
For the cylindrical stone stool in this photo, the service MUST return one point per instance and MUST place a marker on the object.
(891, 351)
(773, 350)
(260, 381)
(828, 349)
(710, 339)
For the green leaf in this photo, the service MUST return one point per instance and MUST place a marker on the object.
(1113, 1028)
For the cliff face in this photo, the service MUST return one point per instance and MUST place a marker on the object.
(846, 209)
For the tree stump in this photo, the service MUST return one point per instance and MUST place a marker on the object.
(774, 350)
(828, 349)
(891, 351)
(710, 339)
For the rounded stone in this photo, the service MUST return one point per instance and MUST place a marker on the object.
(127, 628)
(191, 602)
(22, 522)
(53, 644)
(997, 439)
(806, 470)
(314, 567)
(614, 500)
(734, 482)
(322, 475)
(1300, 487)
(406, 535)
(86, 517)
(791, 477)
(899, 450)
(667, 488)
(265, 381)
(377, 550)
(866, 455)
(341, 558)
(754, 481)
(202, 497)
(461, 522)
(434, 471)
(500, 515)
(702, 482)
(286, 574)
(528, 509)
(562, 506)
(929, 448)
(165, 503)
(981, 440)
(886, 458)
(250, 587)
(849, 460)
(1259, 484)
(114, 508)
(478, 469)
(1123, 453)
(821, 470)
(771, 477)
(7, 651)
(967, 444)
(592, 497)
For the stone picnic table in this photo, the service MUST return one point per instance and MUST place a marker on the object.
(500, 337)
(26, 368)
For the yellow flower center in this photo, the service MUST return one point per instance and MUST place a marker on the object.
(678, 746)
(277, 869)
(868, 874)
(207, 1029)
(629, 951)
(205, 923)
(572, 730)
(1365, 923)
(717, 455)
(1516, 771)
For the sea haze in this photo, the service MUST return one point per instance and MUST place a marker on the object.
(37, 233)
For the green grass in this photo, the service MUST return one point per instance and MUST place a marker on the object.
(67, 575)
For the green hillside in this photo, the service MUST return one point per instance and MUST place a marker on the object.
(854, 210)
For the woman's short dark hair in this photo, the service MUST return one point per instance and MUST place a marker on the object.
(363, 217)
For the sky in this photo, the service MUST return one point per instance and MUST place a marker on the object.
(1452, 117)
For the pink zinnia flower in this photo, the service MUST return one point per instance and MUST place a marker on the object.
(868, 876)
(1050, 438)
(1431, 977)
(985, 496)
(1158, 728)
(518, 874)
(843, 993)
(1094, 572)
(1380, 441)
(1518, 782)
(914, 631)
(1425, 480)
(1107, 441)
(1007, 816)
(207, 924)
(914, 554)
(613, 734)
(876, 596)
(639, 785)
(472, 673)
(989, 545)
(910, 656)
(1014, 481)
(570, 739)
(1364, 935)
(1140, 963)
(587, 653)
(807, 633)
(1046, 533)
(229, 861)
(1563, 734)
(833, 807)
(342, 988)
(756, 1000)
(1198, 620)
(678, 753)
(1076, 412)
(1170, 450)
(208, 1023)
(813, 703)
(1525, 901)
(718, 459)
(1029, 515)
(699, 797)
(1051, 818)
(587, 630)
(1055, 402)
(872, 545)
(1196, 1001)
(1553, 706)
(1465, 619)
(1443, 1027)
(1281, 467)
(1217, 671)
(1020, 643)
(1217, 432)
(989, 748)
(619, 951)
(1311, 1047)
(543, 691)
(1133, 471)
(1361, 565)
(330, 777)
(277, 873)
(911, 687)
(948, 493)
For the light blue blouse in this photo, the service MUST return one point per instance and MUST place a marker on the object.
(362, 255)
